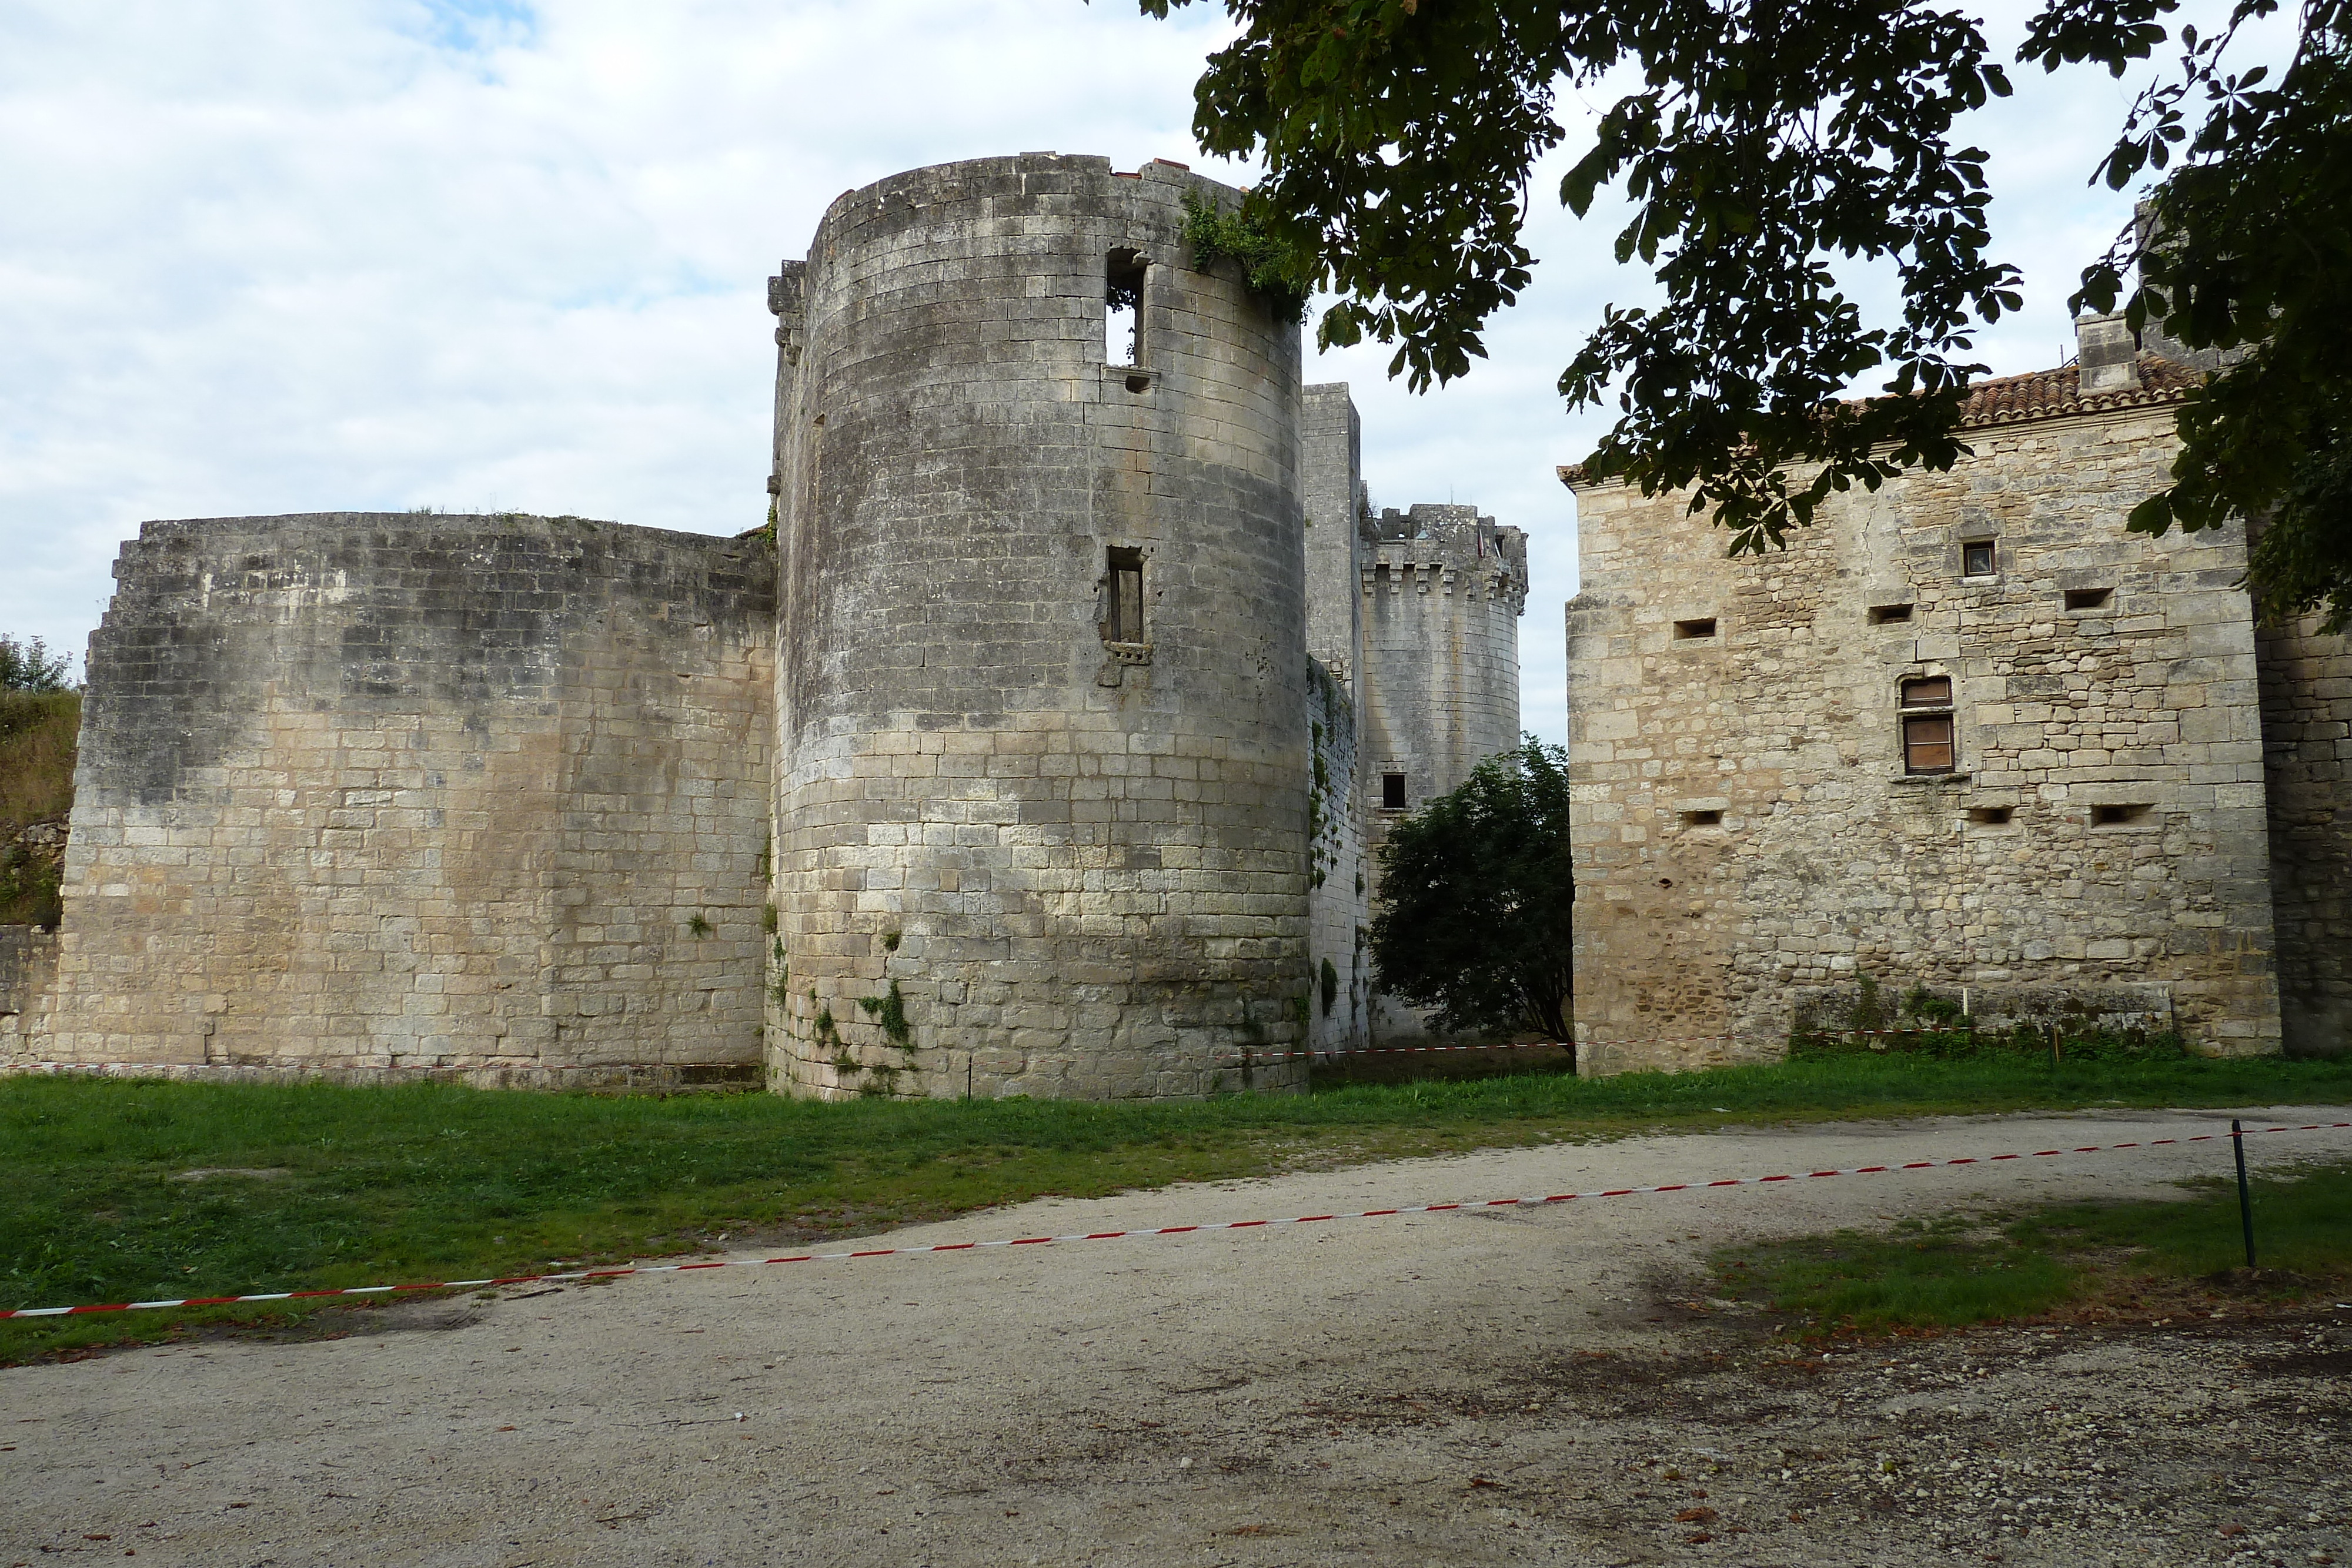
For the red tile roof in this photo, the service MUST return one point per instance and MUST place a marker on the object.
(2042, 394)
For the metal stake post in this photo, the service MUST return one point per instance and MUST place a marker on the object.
(2245, 1198)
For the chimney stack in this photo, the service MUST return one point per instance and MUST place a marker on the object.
(2107, 357)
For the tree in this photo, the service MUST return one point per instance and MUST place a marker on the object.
(1767, 137)
(29, 667)
(1476, 893)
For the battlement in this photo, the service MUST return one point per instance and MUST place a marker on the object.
(1448, 550)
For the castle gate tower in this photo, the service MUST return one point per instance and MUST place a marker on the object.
(1042, 809)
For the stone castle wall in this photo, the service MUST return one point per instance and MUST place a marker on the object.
(1339, 885)
(1020, 846)
(1747, 834)
(379, 795)
(2307, 711)
(1443, 590)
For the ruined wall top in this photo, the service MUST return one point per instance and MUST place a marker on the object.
(1432, 536)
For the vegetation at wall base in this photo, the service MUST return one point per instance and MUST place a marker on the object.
(1477, 899)
(2093, 1261)
(38, 732)
(316, 1187)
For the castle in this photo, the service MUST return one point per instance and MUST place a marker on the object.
(1038, 747)
(1966, 733)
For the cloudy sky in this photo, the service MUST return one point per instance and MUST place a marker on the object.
(284, 256)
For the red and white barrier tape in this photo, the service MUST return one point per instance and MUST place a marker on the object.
(1140, 1234)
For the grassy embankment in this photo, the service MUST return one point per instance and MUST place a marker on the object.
(319, 1186)
(38, 733)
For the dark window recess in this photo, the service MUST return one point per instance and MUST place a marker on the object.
(1123, 308)
(1976, 558)
(1992, 816)
(2088, 597)
(1889, 614)
(1393, 791)
(1928, 691)
(2119, 816)
(1927, 743)
(1684, 630)
(1125, 622)
(1702, 819)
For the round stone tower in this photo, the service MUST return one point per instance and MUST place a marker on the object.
(1042, 775)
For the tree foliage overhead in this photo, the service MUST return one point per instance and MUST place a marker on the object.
(1475, 898)
(1763, 139)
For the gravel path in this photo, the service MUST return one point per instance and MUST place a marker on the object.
(1515, 1385)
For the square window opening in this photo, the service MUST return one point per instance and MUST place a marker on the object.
(1927, 743)
(2088, 597)
(1123, 308)
(1124, 622)
(1977, 557)
(2119, 816)
(1687, 630)
(1889, 614)
(1702, 819)
(1393, 791)
(1992, 816)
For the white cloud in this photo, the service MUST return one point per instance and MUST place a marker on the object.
(272, 257)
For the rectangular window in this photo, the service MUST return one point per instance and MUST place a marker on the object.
(1977, 557)
(1929, 691)
(2088, 597)
(1393, 791)
(1702, 819)
(1889, 614)
(1684, 630)
(1125, 621)
(1123, 308)
(2119, 816)
(1927, 743)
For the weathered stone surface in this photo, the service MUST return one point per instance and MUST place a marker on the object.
(2306, 707)
(1077, 850)
(408, 794)
(1748, 833)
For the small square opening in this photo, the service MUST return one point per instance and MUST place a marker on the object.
(1977, 557)
(2088, 597)
(1889, 614)
(1928, 691)
(1687, 630)
(1393, 791)
(2119, 816)
(1992, 816)
(1702, 819)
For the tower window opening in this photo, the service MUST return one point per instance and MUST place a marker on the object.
(1393, 791)
(1125, 621)
(1123, 308)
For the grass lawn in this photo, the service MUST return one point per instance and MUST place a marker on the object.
(2137, 1260)
(316, 1187)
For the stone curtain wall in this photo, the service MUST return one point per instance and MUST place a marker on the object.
(1331, 445)
(29, 967)
(2306, 695)
(1339, 906)
(1745, 827)
(1013, 851)
(386, 794)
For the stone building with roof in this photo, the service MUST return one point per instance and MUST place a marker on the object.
(1966, 733)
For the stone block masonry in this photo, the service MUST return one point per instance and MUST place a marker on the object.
(1966, 732)
(2306, 713)
(1042, 692)
(383, 795)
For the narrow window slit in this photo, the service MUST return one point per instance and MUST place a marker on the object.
(1702, 819)
(2088, 597)
(1123, 310)
(1992, 816)
(2119, 816)
(1686, 629)
(1124, 623)
(1889, 614)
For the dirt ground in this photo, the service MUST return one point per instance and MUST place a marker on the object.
(1514, 1386)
